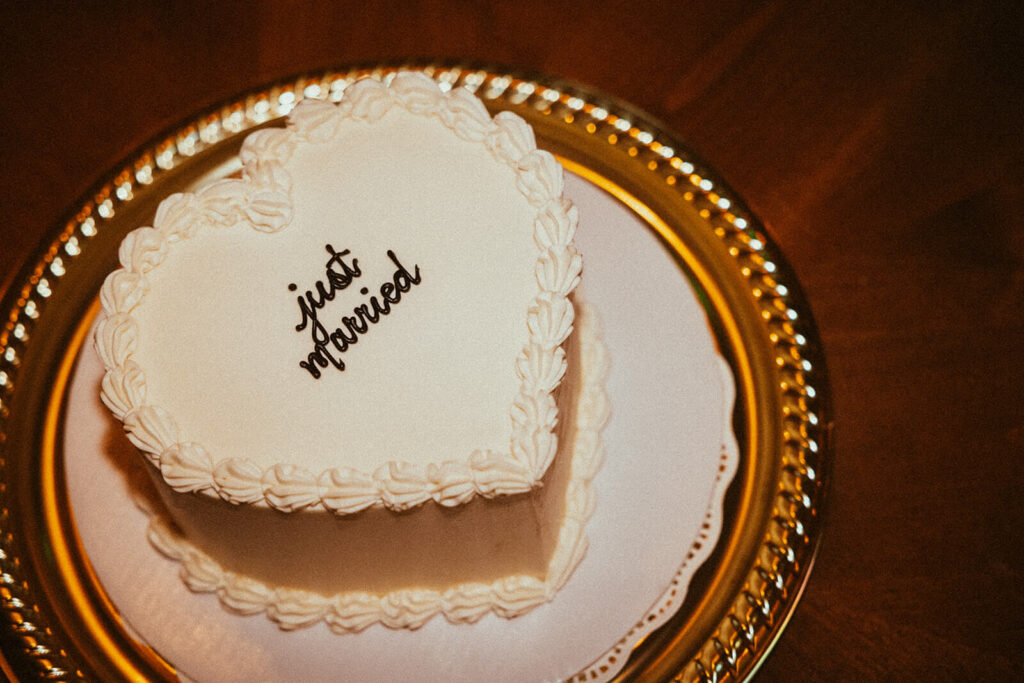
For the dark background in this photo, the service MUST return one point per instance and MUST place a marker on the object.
(881, 144)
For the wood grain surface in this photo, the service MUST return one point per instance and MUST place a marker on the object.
(881, 143)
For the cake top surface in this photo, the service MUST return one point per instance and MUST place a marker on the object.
(371, 315)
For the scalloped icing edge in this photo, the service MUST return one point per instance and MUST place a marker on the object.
(261, 199)
(507, 597)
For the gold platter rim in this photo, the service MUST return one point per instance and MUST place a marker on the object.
(760, 317)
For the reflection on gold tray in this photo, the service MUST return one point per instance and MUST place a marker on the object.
(60, 625)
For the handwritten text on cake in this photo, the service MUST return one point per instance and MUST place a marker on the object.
(328, 344)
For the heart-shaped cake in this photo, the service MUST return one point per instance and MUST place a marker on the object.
(371, 322)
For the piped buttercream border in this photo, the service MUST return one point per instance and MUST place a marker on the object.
(261, 199)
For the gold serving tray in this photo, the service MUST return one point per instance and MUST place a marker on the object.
(56, 623)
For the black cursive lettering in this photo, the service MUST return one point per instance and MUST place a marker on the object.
(321, 357)
(341, 341)
(310, 303)
(339, 275)
(403, 280)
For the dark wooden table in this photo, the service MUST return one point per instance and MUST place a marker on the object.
(881, 145)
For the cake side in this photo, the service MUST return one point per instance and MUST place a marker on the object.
(263, 199)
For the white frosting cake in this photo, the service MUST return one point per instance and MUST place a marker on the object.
(351, 372)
